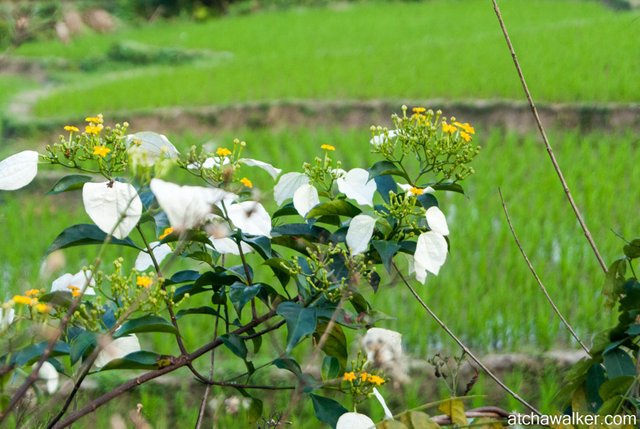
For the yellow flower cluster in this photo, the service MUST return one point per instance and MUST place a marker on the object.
(71, 128)
(328, 147)
(101, 151)
(466, 129)
(365, 377)
(223, 151)
(29, 299)
(144, 281)
(416, 191)
(94, 124)
(246, 182)
(166, 233)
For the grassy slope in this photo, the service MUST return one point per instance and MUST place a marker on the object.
(570, 50)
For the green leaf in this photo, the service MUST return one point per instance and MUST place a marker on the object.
(236, 345)
(306, 381)
(136, 360)
(613, 281)
(611, 405)
(71, 182)
(301, 321)
(240, 294)
(616, 386)
(260, 244)
(327, 410)
(286, 210)
(384, 185)
(335, 344)
(386, 250)
(595, 378)
(60, 298)
(85, 234)
(632, 250)
(81, 346)
(418, 420)
(32, 353)
(148, 323)
(633, 329)
(197, 310)
(319, 234)
(278, 265)
(386, 168)
(330, 368)
(454, 408)
(255, 411)
(452, 187)
(390, 424)
(618, 363)
(334, 208)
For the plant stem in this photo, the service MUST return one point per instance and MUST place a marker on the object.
(463, 345)
(547, 145)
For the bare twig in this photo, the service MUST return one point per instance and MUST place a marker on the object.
(547, 145)
(463, 345)
(207, 389)
(538, 280)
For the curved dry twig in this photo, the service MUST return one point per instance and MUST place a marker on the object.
(538, 280)
(547, 145)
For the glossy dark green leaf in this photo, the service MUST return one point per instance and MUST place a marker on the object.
(201, 256)
(384, 185)
(240, 294)
(279, 268)
(618, 363)
(235, 344)
(71, 182)
(452, 187)
(136, 360)
(386, 168)
(335, 343)
(614, 280)
(634, 329)
(197, 310)
(427, 200)
(148, 323)
(33, 352)
(60, 298)
(286, 210)
(595, 377)
(81, 346)
(260, 244)
(301, 229)
(85, 234)
(183, 277)
(331, 368)
(386, 250)
(334, 208)
(327, 410)
(301, 321)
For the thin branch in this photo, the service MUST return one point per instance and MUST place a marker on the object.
(547, 145)
(538, 280)
(207, 389)
(177, 363)
(463, 345)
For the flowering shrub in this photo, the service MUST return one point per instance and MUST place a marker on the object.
(331, 237)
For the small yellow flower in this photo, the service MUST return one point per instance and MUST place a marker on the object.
(20, 299)
(328, 147)
(465, 136)
(101, 151)
(419, 110)
(375, 379)
(364, 376)
(93, 129)
(246, 182)
(32, 292)
(98, 119)
(75, 290)
(466, 126)
(416, 191)
(71, 128)
(448, 128)
(144, 281)
(223, 151)
(43, 308)
(166, 233)
(349, 376)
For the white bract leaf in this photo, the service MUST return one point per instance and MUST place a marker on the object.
(356, 185)
(49, 374)
(355, 421)
(387, 413)
(381, 138)
(251, 218)
(273, 171)
(117, 349)
(305, 198)
(187, 206)
(160, 251)
(359, 233)
(430, 255)
(147, 147)
(229, 246)
(436, 220)
(114, 207)
(70, 282)
(6, 317)
(209, 163)
(383, 346)
(288, 185)
(18, 170)
(410, 189)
